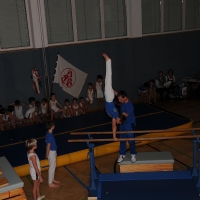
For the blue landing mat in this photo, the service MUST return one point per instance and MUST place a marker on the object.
(150, 190)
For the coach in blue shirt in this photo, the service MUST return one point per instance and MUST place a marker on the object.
(126, 109)
(51, 154)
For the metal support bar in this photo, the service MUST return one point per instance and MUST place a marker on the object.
(92, 169)
(198, 182)
(91, 154)
(194, 169)
(93, 172)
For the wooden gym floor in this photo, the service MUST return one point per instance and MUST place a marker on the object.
(71, 189)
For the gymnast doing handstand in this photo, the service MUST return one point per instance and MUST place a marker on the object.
(109, 97)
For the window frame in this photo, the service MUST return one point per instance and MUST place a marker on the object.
(161, 18)
(29, 10)
(27, 7)
(162, 22)
(76, 41)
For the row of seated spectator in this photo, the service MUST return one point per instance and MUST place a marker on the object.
(160, 85)
(39, 112)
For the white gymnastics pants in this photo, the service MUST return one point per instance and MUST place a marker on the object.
(52, 165)
(109, 93)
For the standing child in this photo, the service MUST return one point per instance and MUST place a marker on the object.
(75, 107)
(53, 106)
(83, 106)
(90, 96)
(99, 91)
(68, 109)
(35, 170)
(51, 154)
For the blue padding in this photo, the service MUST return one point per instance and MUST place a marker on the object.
(146, 176)
(99, 191)
(144, 109)
(184, 189)
(159, 121)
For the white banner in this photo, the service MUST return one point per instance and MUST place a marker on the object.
(69, 77)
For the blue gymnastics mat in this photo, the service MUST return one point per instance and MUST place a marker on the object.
(150, 190)
(177, 185)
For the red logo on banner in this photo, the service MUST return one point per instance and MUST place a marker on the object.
(68, 77)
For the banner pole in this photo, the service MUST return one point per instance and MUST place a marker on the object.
(54, 76)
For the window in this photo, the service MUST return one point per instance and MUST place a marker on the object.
(13, 24)
(59, 21)
(88, 19)
(151, 17)
(172, 15)
(115, 18)
(192, 11)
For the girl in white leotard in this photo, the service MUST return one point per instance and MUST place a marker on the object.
(35, 170)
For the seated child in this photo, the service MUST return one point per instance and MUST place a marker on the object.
(53, 106)
(75, 107)
(90, 96)
(18, 109)
(152, 91)
(12, 119)
(32, 105)
(143, 92)
(3, 119)
(37, 111)
(99, 91)
(68, 109)
(32, 102)
(44, 109)
(30, 114)
(83, 106)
